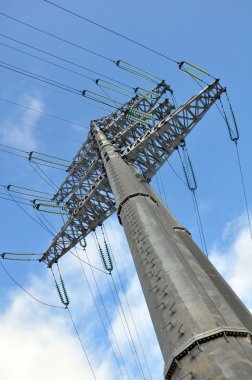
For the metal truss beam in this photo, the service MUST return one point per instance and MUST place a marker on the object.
(146, 142)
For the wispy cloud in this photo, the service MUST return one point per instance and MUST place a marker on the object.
(232, 256)
(19, 130)
(42, 341)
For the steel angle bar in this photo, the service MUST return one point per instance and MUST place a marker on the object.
(77, 171)
(135, 130)
(84, 183)
(88, 152)
(162, 139)
(92, 210)
(100, 195)
(79, 226)
(140, 103)
(147, 152)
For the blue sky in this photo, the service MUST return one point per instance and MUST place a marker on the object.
(215, 37)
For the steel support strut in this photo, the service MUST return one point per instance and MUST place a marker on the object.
(203, 329)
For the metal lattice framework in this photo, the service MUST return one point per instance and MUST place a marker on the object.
(146, 130)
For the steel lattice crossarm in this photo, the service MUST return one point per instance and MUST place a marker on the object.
(147, 145)
(151, 149)
(141, 105)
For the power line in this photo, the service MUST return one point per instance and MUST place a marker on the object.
(243, 188)
(112, 31)
(26, 291)
(27, 213)
(44, 223)
(81, 343)
(12, 147)
(55, 90)
(64, 60)
(43, 179)
(121, 313)
(99, 313)
(9, 120)
(56, 37)
(40, 78)
(31, 159)
(147, 345)
(107, 314)
(41, 112)
(85, 262)
(128, 305)
(12, 200)
(120, 303)
(62, 86)
(12, 153)
(45, 60)
(51, 183)
(51, 63)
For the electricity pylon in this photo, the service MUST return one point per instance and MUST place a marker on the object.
(203, 329)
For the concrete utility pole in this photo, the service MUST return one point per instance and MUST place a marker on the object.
(203, 329)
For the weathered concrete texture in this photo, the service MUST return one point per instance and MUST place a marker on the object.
(202, 327)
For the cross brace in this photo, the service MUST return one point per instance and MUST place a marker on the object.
(147, 141)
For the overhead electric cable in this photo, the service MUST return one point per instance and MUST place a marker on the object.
(62, 86)
(41, 112)
(40, 78)
(192, 186)
(126, 66)
(113, 31)
(51, 88)
(121, 313)
(38, 161)
(62, 67)
(120, 303)
(45, 60)
(65, 60)
(85, 262)
(100, 315)
(140, 316)
(13, 148)
(27, 213)
(42, 171)
(13, 200)
(176, 174)
(12, 153)
(34, 151)
(43, 179)
(43, 223)
(127, 303)
(19, 197)
(26, 188)
(243, 188)
(56, 37)
(12, 121)
(163, 188)
(46, 221)
(127, 324)
(81, 343)
(234, 135)
(65, 300)
(26, 291)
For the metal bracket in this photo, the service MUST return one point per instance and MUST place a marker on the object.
(201, 338)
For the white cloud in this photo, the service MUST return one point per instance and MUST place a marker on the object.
(233, 255)
(36, 342)
(42, 342)
(21, 133)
